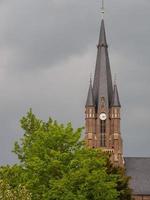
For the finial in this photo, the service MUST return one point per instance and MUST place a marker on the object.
(102, 9)
(115, 79)
(91, 78)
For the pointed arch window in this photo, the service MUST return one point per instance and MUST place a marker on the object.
(103, 132)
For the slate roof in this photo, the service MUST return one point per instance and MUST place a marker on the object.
(102, 85)
(115, 98)
(139, 171)
(90, 100)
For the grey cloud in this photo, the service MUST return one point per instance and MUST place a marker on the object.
(43, 32)
(47, 51)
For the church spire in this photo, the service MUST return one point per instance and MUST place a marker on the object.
(90, 100)
(102, 110)
(102, 86)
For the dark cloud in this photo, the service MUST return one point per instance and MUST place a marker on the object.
(47, 51)
(41, 33)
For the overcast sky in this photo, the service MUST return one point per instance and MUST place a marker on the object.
(47, 52)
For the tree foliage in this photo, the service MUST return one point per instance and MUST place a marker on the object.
(55, 165)
(7, 193)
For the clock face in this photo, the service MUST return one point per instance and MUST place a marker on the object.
(103, 116)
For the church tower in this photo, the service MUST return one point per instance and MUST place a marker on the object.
(102, 109)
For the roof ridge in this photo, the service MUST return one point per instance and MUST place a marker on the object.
(138, 157)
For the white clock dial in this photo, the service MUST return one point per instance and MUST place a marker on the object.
(103, 116)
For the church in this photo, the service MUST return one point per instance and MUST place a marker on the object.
(102, 122)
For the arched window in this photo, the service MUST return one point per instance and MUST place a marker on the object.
(102, 132)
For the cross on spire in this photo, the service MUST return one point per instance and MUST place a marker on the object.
(102, 9)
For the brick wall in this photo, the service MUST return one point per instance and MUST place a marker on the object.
(141, 197)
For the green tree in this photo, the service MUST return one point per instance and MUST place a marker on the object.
(122, 181)
(56, 165)
(7, 193)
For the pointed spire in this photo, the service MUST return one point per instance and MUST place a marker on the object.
(90, 99)
(102, 38)
(115, 98)
(102, 86)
